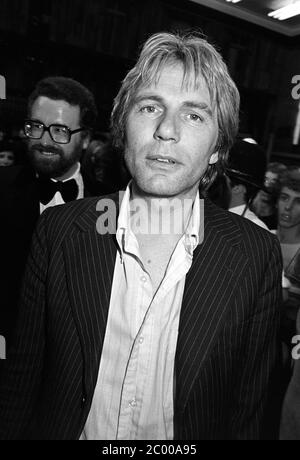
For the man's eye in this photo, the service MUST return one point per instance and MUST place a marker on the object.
(194, 117)
(148, 109)
(60, 129)
(35, 125)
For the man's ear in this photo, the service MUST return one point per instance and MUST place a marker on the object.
(214, 158)
(86, 140)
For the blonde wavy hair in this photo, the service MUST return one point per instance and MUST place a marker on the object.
(200, 60)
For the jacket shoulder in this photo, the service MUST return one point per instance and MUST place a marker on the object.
(60, 221)
(249, 235)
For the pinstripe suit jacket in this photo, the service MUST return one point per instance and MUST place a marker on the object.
(227, 333)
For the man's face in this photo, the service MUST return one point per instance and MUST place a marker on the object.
(270, 178)
(7, 158)
(288, 208)
(271, 182)
(171, 135)
(48, 157)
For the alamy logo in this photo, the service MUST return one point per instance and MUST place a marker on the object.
(2, 87)
(2, 347)
(296, 349)
(296, 89)
(159, 217)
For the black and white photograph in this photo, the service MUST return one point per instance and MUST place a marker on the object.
(149, 222)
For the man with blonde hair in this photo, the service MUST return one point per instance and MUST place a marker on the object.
(139, 332)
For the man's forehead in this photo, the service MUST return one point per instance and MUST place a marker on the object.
(52, 110)
(46, 102)
(189, 79)
(291, 192)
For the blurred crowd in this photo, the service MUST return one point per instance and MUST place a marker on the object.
(269, 195)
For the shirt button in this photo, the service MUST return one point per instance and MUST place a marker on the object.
(132, 402)
(143, 279)
(141, 339)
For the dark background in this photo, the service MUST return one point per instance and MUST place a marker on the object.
(97, 41)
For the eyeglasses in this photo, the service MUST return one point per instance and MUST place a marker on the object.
(60, 134)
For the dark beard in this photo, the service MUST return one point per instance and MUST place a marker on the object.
(55, 166)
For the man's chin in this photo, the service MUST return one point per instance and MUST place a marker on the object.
(47, 166)
(158, 189)
(285, 224)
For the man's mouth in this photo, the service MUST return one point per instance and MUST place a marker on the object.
(47, 153)
(163, 160)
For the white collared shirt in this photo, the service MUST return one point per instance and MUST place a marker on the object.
(57, 199)
(248, 215)
(133, 398)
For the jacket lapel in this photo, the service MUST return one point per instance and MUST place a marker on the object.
(210, 286)
(90, 260)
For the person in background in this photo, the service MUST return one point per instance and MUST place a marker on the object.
(288, 232)
(245, 172)
(61, 114)
(104, 167)
(264, 204)
(7, 154)
(237, 186)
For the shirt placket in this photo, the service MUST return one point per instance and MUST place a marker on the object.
(131, 397)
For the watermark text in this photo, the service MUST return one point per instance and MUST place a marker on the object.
(2, 87)
(2, 347)
(159, 216)
(296, 88)
(296, 349)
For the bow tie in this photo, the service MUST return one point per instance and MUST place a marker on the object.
(48, 188)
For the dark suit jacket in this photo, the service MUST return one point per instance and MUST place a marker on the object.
(227, 338)
(19, 210)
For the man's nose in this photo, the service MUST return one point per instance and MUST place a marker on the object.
(168, 128)
(46, 138)
(288, 205)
